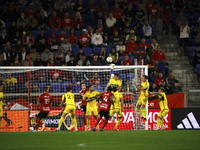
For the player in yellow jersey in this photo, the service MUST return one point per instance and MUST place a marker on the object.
(143, 98)
(91, 108)
(1, 104)
(117, 107)
(68, 99)
(164, 109)
(115, 81)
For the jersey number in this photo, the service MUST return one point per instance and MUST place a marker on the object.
(105, 99)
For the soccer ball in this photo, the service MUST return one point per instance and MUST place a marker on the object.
(109, 59)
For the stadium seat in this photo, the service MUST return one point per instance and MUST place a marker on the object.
(96, 50)
(56, 86)
(47, 33)
(121, 58)
(8, 25)
(123, 76)
(42, 85)
(64, 85)
(130, 76)
(161, 67)
(34, 33)
(78, 32)
(191, 52)
(148, 41)
(108, 50)
(75, 51)
(87, 51)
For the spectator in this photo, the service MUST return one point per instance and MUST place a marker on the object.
(128, 87)
(70, 6)
(99, 17)
(13, 53)
(117, 12)
(83, 61)
(102, 56)
(100, 26)
(176, 88)
(57, 4)
(192, 23)
(61, 36)
(73, 38)
(16, 62)
(166, 71)
(80, 6)
(159, 56)
(59, 61)
(148, 7)
(43, 23)
(127, 61)
(90, 31)
(27, 61)
(95, 61)
(196, 57)
(2, 80)
(104, 5)
(95, 80)
(147, 30)
(150, 63)
(4, 37)
(12, 30)
(30, 10)
(59, 53)
(34, 88)
(41, 46)
(66, 46)
(110, 21)
(122, 22)
(78, 21)
(164, 85)
(154, 45)
(84, 39)
(178, 5)
(180, 18)
(153, 88)
(194, 6)
(21, 19)
(40, 36)
(160, 79)
(129, 13)
(22, 54)
(114, 55)
(17, 12)
(52, 39)
(170, 80)
(106, 40)
(139, 15)
(37, 4)
(10, 78)
(79, 55)
(67, 56)
(121, 48)
(130, 47)
(55, 75)
(60, 11)
(67, 21)
(130, 36)
(23, 28)
(38, 61)
(93, 8)
(126, 29)
(2, 23)
(32, 22)
(3, 62)
(27, 38)
(33, 54)
(50, 61)
(54, 21)
(6, 14)
(115, 38)
(154, 15)
(144, 44)
(184, 38)
(71, 61)
(45, 54)
(96, 39)
(167, 15)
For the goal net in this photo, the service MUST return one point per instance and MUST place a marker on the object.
(23, 85)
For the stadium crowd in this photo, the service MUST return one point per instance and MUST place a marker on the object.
(85, 33)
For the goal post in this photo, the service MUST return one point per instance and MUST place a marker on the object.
(23, 85)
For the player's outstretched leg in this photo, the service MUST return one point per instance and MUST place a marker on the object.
(117, 124)
(62, 118)
(38, 123)
(96, 124)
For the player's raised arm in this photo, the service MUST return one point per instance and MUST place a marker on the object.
(63, 101)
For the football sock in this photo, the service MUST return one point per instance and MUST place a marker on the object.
(162, 123)
(88, 123)
(158, 122)
(104, 123)
(97, 121)
(144, 112)
(74, 122)
(61, 121)
(118, 122)
(38, 123)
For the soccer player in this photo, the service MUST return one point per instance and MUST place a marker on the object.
(43, 105)
(143, 98)
(68, 99)
(106, 101)
(91, 108)
(164, 109)
(83, 105)
(1, 104)
(115, 81)
(117, 107)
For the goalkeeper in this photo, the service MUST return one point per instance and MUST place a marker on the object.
(91, 108)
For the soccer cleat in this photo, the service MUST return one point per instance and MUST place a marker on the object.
(115, 129)
(76, 129)
(57, 129)
(144, 119)
(101, 129)
(94, 129)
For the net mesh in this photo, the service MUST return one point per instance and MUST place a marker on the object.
(22, 87)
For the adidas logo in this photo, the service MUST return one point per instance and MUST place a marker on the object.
(189, 122)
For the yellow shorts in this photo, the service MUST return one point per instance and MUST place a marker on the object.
(70, 109)
(91, 110)
(118, 111)
(142, 100)
(163, 113)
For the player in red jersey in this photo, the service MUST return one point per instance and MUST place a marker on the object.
(107, 100)
(43, 105)
(83, 104)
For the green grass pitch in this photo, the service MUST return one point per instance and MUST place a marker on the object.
(107, 140)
